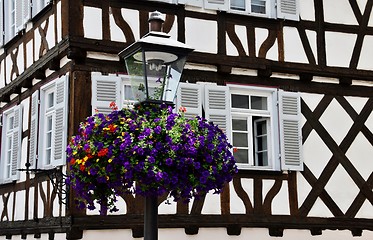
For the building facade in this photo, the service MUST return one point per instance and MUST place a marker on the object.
(289, 81)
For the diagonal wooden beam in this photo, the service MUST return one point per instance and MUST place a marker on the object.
(324, 196)
(319, 110)
(360, 36)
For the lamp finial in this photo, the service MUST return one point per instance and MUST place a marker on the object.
(156, 21)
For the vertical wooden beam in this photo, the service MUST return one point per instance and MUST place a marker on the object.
(144, 25)
(72, 18)
(293, 193)
(106, 20)
(319, 18)
(79, 108)
(222, 48)
(181, 25)
(258, 195)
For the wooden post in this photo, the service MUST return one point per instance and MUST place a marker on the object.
(151, 218)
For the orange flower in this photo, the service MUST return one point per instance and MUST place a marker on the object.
(235, 149)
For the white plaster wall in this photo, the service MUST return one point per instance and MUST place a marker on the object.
(201, 35)
(340, 12)
(37, 44)
(241, 33)
(341, 187)
(339, 47)
(51, 34)
(29, 54)
(59, 21)
(92, 23)
(307, 10)
(132, 18)
(365, 61)
(293, 48)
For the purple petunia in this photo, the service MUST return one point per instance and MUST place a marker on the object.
(147, 151)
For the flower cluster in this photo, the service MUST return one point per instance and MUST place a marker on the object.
(147, 151)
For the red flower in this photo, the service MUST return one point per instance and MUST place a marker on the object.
(82, 167)
(72, 161)
(235, 149)
(102, 152)
(182, 109)
(113, 106)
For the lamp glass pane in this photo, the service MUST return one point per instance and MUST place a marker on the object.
(172, 79)
(135, 70)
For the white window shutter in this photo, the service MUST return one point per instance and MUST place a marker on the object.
(34, 129)
(288, 9)
(217, 106)
(38, 5)
(1, 23)
(196, 3)
(105, 90)
(290, 131)
(16, 145)
(26, 11)
(60, 134)
(221, 5)
(189, 96)
(7, 28)
(19, 15)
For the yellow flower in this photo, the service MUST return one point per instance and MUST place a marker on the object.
(85, 158)
(97, 159)
(107, 178)
(110, 160)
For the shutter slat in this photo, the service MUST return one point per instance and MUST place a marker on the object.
(105, 90)
(190, 97)
(290, 132)
(288, 9)
(217, 106)
(16, 144)
(33, 128)
(60, 130)
(221, 5)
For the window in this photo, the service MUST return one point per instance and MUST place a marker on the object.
(250, 6)
(265, 135)
(11, 144)
(282, 9)
(39, 5)
(253, 128)
(16, 14)
(52, 133)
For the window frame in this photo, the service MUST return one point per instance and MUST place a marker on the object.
(271, 114)
(58, 113)
(269, 6)
(8, 153)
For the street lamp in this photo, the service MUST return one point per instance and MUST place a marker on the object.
(154, 64)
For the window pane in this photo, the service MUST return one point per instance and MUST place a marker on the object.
(11, 123)
(259, 103)
(50, 100)
(262, 159)
(240, 140)
(262, 143)
(240, 101)
(240, 125)
(238, 5)
(128, 95)
(48, 154)
(241, 155)
(258, 6)
(49, 123)
(261, 128)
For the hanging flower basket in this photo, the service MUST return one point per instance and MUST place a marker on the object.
(148, 151)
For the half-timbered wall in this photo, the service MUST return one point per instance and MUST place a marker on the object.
(325, 56)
